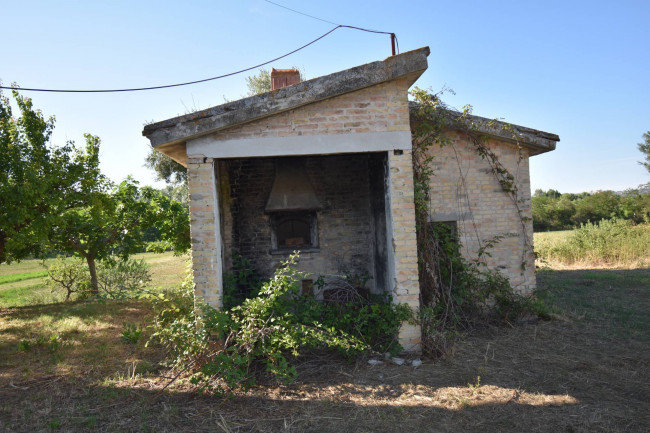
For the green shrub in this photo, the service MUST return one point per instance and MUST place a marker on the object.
(609, 242)
(176, 326)
(459, 296)
(131, 333)
(265, 334)
(117, 279)
(70, 275)
(241, 283)
(123, 278)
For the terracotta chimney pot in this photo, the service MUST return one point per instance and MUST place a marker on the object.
(284, 77)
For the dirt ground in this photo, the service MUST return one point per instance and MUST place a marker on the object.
(588, 370)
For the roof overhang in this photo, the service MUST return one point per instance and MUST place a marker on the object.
(534, 140)
(170, 136)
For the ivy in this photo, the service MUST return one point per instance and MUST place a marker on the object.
(457, 295)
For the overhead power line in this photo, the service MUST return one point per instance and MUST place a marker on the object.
(327, 21)
(166, 86)
(301, 13)
(392, 35)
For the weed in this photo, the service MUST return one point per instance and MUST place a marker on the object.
(55, 424)
(609, 242)
(131, 333)
(24, 345)
(90, 422)
(264, 334)
(476, 385)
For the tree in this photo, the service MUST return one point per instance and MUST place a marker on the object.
(597, 206)
(645, 149)
(55, 198)
(35, 178)
(260, 83)
(110, 220)
(166, 168)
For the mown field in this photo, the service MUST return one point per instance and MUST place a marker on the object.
(67, 367)
(24, 283)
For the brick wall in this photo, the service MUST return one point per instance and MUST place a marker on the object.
(347, 232)
(379, 108)
(204, 218)
(345, 225)
(406, 285)
(463, 189)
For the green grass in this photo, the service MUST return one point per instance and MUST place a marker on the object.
(67, 366)
(613, 302)
(560, 235)
(32, 294)
(12, 278)
(24, 283)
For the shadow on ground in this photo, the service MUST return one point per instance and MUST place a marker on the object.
(587, 370)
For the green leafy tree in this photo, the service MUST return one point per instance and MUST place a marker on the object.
(552, 211)
(597, 206)
(112, 221)
(645, 149)
(55, 198)
(635, 206)
(178, 192)
(166, 168)
(260, 83)
(36, 178)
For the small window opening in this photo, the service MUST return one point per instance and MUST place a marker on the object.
(294, 231)
(446, 229)
(307, 287)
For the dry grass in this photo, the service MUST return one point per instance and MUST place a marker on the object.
(586, 371)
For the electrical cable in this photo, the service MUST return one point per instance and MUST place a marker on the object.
(301, 13)
(326, 21)
(136, 89)
(336, 24)
(166, 86)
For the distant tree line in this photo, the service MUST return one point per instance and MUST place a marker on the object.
(553, 210)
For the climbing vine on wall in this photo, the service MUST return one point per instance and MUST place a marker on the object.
(455, 292)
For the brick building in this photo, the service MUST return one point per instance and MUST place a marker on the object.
(324, 166)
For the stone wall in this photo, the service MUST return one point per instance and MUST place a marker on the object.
(464, 190)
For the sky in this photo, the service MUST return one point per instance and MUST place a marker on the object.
(579, 69)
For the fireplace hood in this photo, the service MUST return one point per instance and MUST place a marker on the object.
(292, 190)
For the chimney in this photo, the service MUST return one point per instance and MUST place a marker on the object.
(284, 77)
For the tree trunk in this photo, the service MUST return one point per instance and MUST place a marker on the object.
(94, 285)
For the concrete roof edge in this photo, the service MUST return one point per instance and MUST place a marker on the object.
(537, 141)
(180, 129)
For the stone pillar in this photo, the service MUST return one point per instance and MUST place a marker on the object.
(403, 257)
(206, 235)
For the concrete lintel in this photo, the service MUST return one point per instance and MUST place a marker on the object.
(321, 144)
(450, 216)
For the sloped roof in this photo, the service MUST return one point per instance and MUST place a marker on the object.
(170, 136)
